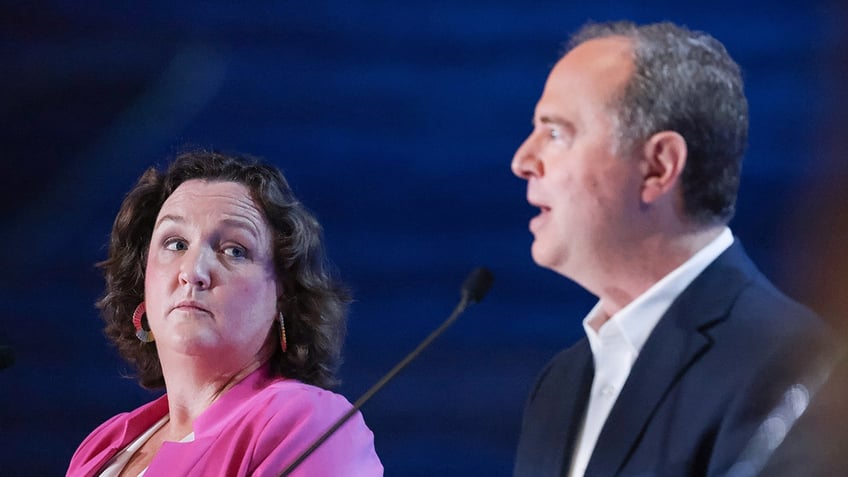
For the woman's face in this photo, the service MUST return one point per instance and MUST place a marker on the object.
(210, 286)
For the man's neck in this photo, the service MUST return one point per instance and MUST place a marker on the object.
(647, 264)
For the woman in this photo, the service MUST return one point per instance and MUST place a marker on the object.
(216, 290)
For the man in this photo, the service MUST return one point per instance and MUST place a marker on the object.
(634, 163)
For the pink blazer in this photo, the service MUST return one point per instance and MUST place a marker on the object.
(255, 429)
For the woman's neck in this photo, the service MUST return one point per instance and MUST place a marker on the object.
(191, 389)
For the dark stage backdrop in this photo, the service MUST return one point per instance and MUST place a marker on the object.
(395, 122)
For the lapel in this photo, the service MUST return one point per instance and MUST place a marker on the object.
(552, 417)
(93, 466)
(124, 430)
(193, 457)
(678, 341)
(180, 458)
(175, 458)
(574, 405)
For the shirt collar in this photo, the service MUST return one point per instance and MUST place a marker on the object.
(636, 320)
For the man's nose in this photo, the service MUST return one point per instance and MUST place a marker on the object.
(525, 162)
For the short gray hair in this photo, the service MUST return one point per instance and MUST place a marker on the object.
(684, 81)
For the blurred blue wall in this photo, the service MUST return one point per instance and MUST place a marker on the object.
(395, 122)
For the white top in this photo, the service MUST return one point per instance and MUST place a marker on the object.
(117, 463)
(618, 342)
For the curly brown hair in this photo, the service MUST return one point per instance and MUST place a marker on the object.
(315, 301)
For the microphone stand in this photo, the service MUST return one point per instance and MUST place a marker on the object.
(475, 286)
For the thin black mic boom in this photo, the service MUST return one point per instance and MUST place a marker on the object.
(474, 288)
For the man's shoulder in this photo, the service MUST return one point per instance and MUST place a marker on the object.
(734, 288)
(762, 309)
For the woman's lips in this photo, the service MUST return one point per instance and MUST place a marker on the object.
(190, 306)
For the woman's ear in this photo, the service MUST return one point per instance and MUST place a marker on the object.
(663, 159)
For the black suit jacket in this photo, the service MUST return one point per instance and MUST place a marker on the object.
(689, 405)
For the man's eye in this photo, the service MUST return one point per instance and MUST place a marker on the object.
(176, 245)
(554, 133)
(235, 252)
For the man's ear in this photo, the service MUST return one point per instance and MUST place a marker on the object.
(663, 159)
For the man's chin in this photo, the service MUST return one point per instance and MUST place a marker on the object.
(543, 256)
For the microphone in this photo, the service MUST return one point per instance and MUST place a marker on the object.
(7, 356)
(476, 285)
(474, 288)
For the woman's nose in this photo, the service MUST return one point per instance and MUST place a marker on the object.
(196, 268)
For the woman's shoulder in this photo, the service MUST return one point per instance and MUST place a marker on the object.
(261, 399)
(287, 410)
(271, 420)
(298, 396)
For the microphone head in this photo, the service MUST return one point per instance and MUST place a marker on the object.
(477, 284)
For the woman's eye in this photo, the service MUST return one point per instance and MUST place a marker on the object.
(176, 245)
(235, 252)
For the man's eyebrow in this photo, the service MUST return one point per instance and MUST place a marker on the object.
(550, 119)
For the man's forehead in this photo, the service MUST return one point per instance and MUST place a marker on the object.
(601, 54)
(598, 66)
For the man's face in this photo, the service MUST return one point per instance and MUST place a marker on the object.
(585, 191)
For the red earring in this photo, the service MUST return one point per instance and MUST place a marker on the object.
(145, 336)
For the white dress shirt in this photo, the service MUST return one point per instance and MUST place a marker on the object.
(618, 342)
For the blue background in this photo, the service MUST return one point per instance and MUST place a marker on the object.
(395, 122)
